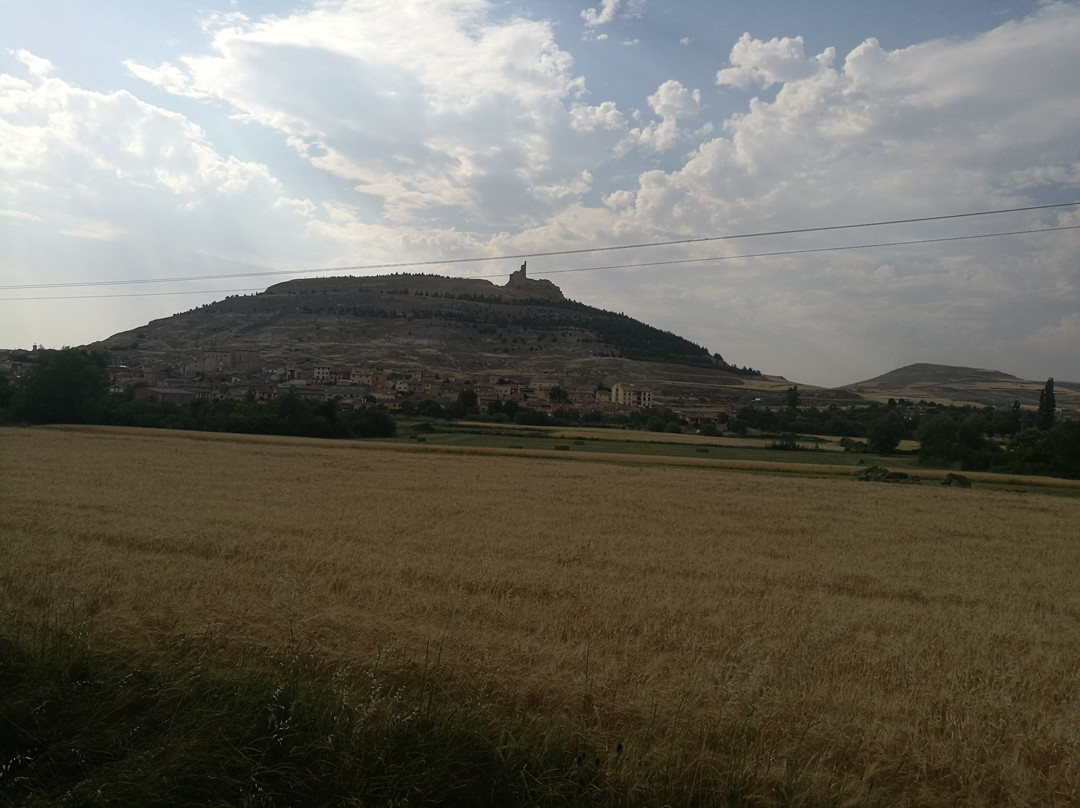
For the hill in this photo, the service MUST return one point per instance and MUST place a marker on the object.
(450, 326)
(961, 385)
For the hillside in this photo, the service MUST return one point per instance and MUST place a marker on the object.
(960, 385)
(450, 326)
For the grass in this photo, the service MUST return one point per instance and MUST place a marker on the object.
(195, 722)
(193, 725)
(768, 640)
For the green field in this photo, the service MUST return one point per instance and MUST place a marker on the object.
(818, 450)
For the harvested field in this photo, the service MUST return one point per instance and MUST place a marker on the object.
(913, 645)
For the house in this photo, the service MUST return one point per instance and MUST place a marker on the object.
(631, 395)
(370, 378)
(329, 374)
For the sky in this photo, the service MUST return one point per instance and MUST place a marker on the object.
(644, 155)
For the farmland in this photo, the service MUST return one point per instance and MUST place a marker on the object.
(871, 643)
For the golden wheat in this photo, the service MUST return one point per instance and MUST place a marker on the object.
(915, 643)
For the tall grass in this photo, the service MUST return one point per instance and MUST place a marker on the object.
(197, 723)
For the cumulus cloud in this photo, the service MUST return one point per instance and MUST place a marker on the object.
(608, 10)
(602, 116)
(53, 127)
(905, 129)
(754, 62)
(420, 105)
(35, 65)
(671, 101)
(80, 166)
(605, 15)
(946, 126)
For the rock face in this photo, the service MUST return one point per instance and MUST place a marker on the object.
(520, 284)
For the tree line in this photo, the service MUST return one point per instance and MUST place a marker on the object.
(1009, 439)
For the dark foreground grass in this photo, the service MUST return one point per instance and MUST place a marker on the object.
(198, 723)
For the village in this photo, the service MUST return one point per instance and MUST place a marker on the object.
(220, 372)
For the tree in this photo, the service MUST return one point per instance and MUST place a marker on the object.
(655, 424)
(737, 426)
(792, 397)
(1051, 451)
(558, 395)
(1044, 419)
(884, 433)
(429, 409)
(1006, 422)
(7, 393)
(465, 404)
(938, 437)
(68, 386)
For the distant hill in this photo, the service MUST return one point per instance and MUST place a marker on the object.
(960, 385)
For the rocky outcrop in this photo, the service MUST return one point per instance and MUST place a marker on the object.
(880, 474)
(956, 480)
(521, 287)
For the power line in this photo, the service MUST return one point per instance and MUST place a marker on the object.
(544, 254)
(813, 250)
(138, 294)
(596, 268)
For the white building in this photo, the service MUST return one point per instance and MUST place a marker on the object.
(631, 395)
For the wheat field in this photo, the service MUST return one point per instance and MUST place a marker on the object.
(891, 644)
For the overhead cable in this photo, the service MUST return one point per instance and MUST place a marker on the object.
(541, 254)
(713, 258)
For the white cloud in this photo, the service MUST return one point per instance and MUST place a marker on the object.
(947, 126)
(602, 116)
(141, 182)
(168, 77)
(421, 105)
(1051, 337)
(20, 215)
(672, 100)
(93, 229)
(767, 63)
(35, 65)
(602, 17)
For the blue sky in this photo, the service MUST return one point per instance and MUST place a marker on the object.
(199, 140)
